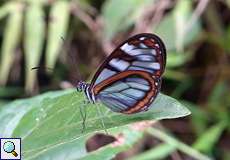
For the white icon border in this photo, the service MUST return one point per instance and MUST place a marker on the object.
(20, 147)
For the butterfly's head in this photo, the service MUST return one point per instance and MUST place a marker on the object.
(81, 86)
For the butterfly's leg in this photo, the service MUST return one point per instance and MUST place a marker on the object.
(107, 112)
(83, 114)
(100, 115)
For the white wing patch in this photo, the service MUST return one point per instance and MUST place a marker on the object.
(142, 38)
(136, 52)
(145, 58)
(119, 64)
(150, 65)
(126, 47)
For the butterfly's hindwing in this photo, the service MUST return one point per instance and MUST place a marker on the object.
(126, 93)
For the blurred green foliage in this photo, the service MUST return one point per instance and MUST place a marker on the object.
(28, 17)
(196, 33)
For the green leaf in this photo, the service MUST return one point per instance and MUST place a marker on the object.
(128, 137)
(59, 16)
(199, 117)
(218, 92)
(119, 14)
(182, 88)
(34, 38)
(175, 59)
(6, 92)
(159, 152)
(182, 13)
(53, 120)
(177, 144)
(173, 28)
(206, 142)
(11, 114)
(10, 42)
(175, 75)
(6, 9)
(167, 33)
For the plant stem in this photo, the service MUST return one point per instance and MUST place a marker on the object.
(179, 145)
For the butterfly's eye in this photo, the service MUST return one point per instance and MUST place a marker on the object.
(81, 86)
(79, 89)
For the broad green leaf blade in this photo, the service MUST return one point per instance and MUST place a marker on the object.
(120, 14)
(127, 138)
(53, 119)
(59, 18)
(34, 38)
(11, 39)
(75, 148)
(208, 139)
(12, 113)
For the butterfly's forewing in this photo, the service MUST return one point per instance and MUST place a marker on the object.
(130, 78)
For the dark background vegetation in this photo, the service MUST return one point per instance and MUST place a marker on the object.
(69, 39)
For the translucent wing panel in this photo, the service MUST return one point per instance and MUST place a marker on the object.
(124, 94)
(106, 73)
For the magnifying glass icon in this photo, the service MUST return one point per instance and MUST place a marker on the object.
(9, 147)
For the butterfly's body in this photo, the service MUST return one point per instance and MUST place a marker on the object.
(130, 78)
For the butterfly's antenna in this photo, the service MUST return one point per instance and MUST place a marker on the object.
(100, 115)
(77, 77)
(73, 62)
(41, 67)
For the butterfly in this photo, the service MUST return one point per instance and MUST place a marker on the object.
(129, 79)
